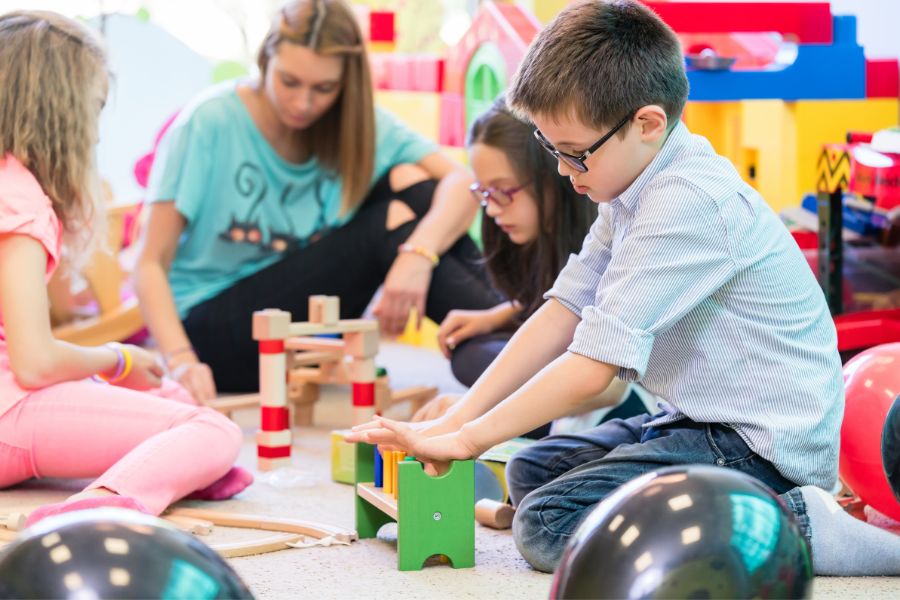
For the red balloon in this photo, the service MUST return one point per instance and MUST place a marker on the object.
(871, 383)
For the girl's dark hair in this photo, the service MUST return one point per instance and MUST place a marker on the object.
(524, 273)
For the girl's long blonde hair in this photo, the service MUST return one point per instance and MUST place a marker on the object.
(51, 70)
(343, 139)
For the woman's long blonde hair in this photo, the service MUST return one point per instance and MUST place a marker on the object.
(51, 68)
(343, 139)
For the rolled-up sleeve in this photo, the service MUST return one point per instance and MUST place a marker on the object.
(673, 255)
(576, 285)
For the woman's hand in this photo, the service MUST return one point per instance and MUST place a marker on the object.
(405, 288)
(146, 370)
(196, 377)
(460, 325)
(435, 408)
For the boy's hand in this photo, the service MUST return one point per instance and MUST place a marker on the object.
(460, 325)
(435, 451)
(435, 408)
(146, 370)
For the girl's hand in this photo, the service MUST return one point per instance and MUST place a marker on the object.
(460, 325)
(405, 288)
(146, 370)
(436, 407)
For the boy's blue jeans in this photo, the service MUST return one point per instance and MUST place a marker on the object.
(555, 483)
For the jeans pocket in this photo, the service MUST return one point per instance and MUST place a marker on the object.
(728, 446)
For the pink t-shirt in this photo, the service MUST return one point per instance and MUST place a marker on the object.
(26, 210)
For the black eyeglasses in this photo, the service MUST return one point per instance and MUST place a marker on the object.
(577, 162)
(500, 197)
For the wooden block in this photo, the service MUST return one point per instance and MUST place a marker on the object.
(270, 464)
(343, 458)
(271, 324)
(316, 309)
(361, 370)
(231, 403)
(342, 326)
(318, 344)
(497, 515)
(13, 521)
(363, 414)
(331, 310)
(382, 394)
(273, 438)
(308, 359)
(361, 344)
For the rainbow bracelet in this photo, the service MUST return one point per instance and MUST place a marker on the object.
(123, 363)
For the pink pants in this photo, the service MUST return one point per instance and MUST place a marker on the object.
(155, 447)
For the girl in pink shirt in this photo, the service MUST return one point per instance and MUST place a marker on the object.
(66, 410)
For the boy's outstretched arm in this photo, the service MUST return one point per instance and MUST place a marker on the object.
(538, 342)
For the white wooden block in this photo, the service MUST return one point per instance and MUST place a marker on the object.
(363, 414)
(331, 310)
(362, 344)
(273, 380)
(273, 439)
(361, 370)
(270, 464)
(271, 324)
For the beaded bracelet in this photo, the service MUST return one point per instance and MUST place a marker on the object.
(423, 252)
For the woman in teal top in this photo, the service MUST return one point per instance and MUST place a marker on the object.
(268, 191)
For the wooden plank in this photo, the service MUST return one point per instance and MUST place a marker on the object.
(190, 525)
(345, 326)
(314, 343)
(273, 543)
(377, 498)
(229, 519)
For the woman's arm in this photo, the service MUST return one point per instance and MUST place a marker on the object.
(407, 282)
(36, 358)
(158, 245)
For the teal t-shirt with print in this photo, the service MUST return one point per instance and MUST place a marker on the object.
(244, 204)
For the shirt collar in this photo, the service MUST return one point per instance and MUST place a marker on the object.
(678, 138)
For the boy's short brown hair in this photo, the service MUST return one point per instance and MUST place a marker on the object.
(599, 61)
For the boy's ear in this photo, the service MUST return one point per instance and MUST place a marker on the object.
(653, 122)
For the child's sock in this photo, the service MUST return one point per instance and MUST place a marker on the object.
(230, 484)
(844, 545)
(111, 501)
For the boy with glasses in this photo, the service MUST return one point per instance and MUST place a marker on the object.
(687, 283)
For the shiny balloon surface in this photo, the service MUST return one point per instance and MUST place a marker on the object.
(687, 532)
(113, 553)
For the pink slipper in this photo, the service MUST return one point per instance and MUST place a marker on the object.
(230, 484)
(48, 510)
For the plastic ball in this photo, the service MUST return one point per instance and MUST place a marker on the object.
(871, 384)
(113, 553)
(890, 447)
(687, 532)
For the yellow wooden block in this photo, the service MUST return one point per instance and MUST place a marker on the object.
(420, 111)
(425, 337)
(343, 458)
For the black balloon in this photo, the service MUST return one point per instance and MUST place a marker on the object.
(113, 553)
(890, 447)
(687, 532)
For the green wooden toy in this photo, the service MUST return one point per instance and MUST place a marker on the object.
(434, 515)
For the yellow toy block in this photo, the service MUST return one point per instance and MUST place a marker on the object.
(343, 458)
(425, 337)
(421, 111)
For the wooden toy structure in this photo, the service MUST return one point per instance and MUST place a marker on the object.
(434, 515)
(286, 355)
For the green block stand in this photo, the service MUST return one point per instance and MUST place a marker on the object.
(434, 515)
